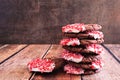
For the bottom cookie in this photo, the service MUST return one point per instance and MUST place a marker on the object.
(71, 69)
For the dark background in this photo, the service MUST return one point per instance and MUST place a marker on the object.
(40, 21)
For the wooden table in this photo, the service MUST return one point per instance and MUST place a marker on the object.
(14, 59)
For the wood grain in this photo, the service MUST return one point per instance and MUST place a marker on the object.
(40, 21)
(110, 71)
(16, 67)
(9, 50)
(55, 51)
(115, 49)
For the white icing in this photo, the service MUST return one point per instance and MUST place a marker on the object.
(40, 68)
(96, 34)
(74, 41)
(91, 49)
(53, 65)
(70, 41)
(95, 48)
(72, 57)
(72, 30)
(75, 28)
(73, 70)
(35, 69)
(102, 64)
(96, 66)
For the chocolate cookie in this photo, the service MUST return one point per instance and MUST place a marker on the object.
(45, 65)
(87, 41)
(85, 35)
(78, 27)
(77, 57)
(77, 42)
(71, 69)
(86, 49)
(92, 66)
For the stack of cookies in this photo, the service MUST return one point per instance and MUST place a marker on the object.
(82, 49)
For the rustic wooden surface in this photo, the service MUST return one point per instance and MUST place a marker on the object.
(40, 21)
(115, 49)
(9, 50)
(15, 67)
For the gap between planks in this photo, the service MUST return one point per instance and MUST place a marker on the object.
(112, 54)
(11, 53)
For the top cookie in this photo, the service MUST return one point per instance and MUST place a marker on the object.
(78, 27)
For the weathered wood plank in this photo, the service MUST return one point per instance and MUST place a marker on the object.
(115, 49)
(111, 70)
(8, 50)
(16, 67)
(58, 75)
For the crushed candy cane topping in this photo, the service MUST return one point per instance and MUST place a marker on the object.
(74, 28)
(97, 64)
(70, 56)
(41, 65)
(95, 48)
(96, 34)
(72, 69)
(70, 41)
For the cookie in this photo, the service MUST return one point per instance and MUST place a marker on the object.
(77, 42)
(87, 41)
(71, 69)
(77, 57)
(45, 65)
(86, 49)
(78, 27)
(92, 66)
(70, 56)
(85, 35)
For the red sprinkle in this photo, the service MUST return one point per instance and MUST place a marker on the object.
(71, 27)
(42, 64)
(97, 63)
(95, 48)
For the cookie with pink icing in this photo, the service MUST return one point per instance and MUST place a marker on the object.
(79, 57)
(71, 56)
(76, 41)
(80, 27)
(45, 65)
(91, 66)
(86, 49)
(95, 34)
(70, 41)
(71, 69)
(73, 28)
(96, 48)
